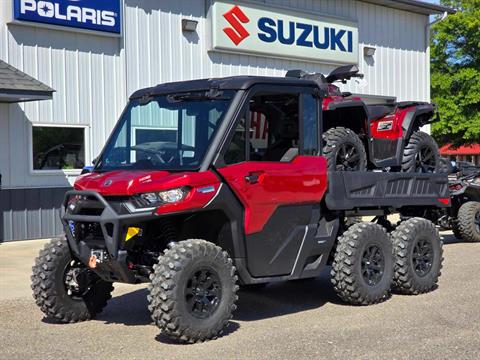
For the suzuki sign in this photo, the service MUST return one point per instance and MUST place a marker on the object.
(103, 15)
(270, 31)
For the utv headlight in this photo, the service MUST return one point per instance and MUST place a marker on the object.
(163, 197)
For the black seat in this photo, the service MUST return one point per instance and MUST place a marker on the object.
(376, 112)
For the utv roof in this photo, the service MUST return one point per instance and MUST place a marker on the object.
(227, 83)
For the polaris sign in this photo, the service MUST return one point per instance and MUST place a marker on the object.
(103, 15)
(269, 31)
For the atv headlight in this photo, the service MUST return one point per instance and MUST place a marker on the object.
(163, 197)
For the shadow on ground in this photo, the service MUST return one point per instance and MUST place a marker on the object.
(276, 299)
(449, 239)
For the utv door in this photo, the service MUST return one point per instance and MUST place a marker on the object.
(272, 163)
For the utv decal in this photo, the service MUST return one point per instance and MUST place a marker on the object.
(385, 126)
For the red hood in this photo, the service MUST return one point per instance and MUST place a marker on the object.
(126, 183)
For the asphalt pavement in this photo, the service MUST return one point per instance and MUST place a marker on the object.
(288, 320)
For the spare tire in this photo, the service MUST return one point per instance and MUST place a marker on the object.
(344, 150)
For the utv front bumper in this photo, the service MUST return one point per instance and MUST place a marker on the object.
(92, 224)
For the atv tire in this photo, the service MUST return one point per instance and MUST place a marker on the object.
(53, 267)
(344, 150)
(468, 221)
(193, 291)
(421, 154)
(418, 256)
(362, 269)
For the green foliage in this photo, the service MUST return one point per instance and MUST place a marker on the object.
(455, 62)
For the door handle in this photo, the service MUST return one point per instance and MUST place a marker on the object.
(253, 177)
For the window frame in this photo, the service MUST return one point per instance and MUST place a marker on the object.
(71, 172)
(244, 109)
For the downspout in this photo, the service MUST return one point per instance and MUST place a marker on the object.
(427, 62)
(427, 47)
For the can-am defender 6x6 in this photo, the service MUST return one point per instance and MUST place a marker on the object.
(206, 185)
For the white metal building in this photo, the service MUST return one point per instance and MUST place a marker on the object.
(94, 54)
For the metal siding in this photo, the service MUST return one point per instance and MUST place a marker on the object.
(88, 75)
(94, 75)
(30, 213)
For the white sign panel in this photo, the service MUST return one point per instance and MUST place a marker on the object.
(276, 32)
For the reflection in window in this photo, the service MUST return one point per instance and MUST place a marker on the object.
(56, 148)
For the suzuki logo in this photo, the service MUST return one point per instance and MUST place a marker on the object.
(235, 17)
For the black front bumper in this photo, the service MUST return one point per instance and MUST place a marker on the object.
(113, 227)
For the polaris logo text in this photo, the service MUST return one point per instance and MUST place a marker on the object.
(72, 12)
(88, 14)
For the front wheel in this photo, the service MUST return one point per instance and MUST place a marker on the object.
(193, 291)
(65, 289)
(467, 225)
(344, 150)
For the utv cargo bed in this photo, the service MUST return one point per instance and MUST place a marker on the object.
(361, 190)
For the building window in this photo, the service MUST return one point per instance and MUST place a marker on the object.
(58, 148)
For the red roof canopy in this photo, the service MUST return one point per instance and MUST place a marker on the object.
(462, 150)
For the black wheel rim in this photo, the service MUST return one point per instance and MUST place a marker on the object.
(373, 265)
(477, 221)
(348, 158)
(422, 257)
(425, 160)
(203, 293)
(79, 280)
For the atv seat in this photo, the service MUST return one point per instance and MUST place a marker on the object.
(376, 112)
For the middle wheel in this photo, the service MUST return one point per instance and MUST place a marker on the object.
(362, 270)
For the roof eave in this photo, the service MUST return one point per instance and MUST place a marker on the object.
(415, 6)
(15, 96)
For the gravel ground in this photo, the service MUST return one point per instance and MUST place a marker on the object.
(289, 320)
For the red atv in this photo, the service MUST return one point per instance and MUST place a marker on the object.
(210, 184)
(359, 136)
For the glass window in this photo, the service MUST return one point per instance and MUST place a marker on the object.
(58, 148)
(236, 152)
(310, 125)
(171, 132)
(274, 130)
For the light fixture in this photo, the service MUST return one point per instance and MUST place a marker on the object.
(189, 25)
(369, 51)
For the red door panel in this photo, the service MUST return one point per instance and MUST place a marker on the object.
(264, 186)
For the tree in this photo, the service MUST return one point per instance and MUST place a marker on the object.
(455, 64)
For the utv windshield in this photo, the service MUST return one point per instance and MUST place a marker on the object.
(168, 132)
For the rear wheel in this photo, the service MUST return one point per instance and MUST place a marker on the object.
(421, 154)
(418, 256)
(193, 291)
(362, 269)
(468, 222)
(65, 289)
(344, 150)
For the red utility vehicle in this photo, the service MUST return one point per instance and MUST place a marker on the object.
(207, 185)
